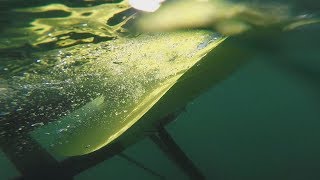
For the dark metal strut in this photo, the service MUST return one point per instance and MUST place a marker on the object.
(39, 164)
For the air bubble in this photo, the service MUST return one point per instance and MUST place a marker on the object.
(37, 124)
(62, 130)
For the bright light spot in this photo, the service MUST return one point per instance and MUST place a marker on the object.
(146, 5)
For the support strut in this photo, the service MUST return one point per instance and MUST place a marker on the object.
(166, 143)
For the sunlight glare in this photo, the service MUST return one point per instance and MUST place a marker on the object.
(146, 5)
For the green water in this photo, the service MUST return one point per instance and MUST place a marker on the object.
(262, 122)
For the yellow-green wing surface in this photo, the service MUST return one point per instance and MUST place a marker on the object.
(81, 98)
(126, 78)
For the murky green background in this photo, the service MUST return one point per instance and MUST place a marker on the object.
(263, 122)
